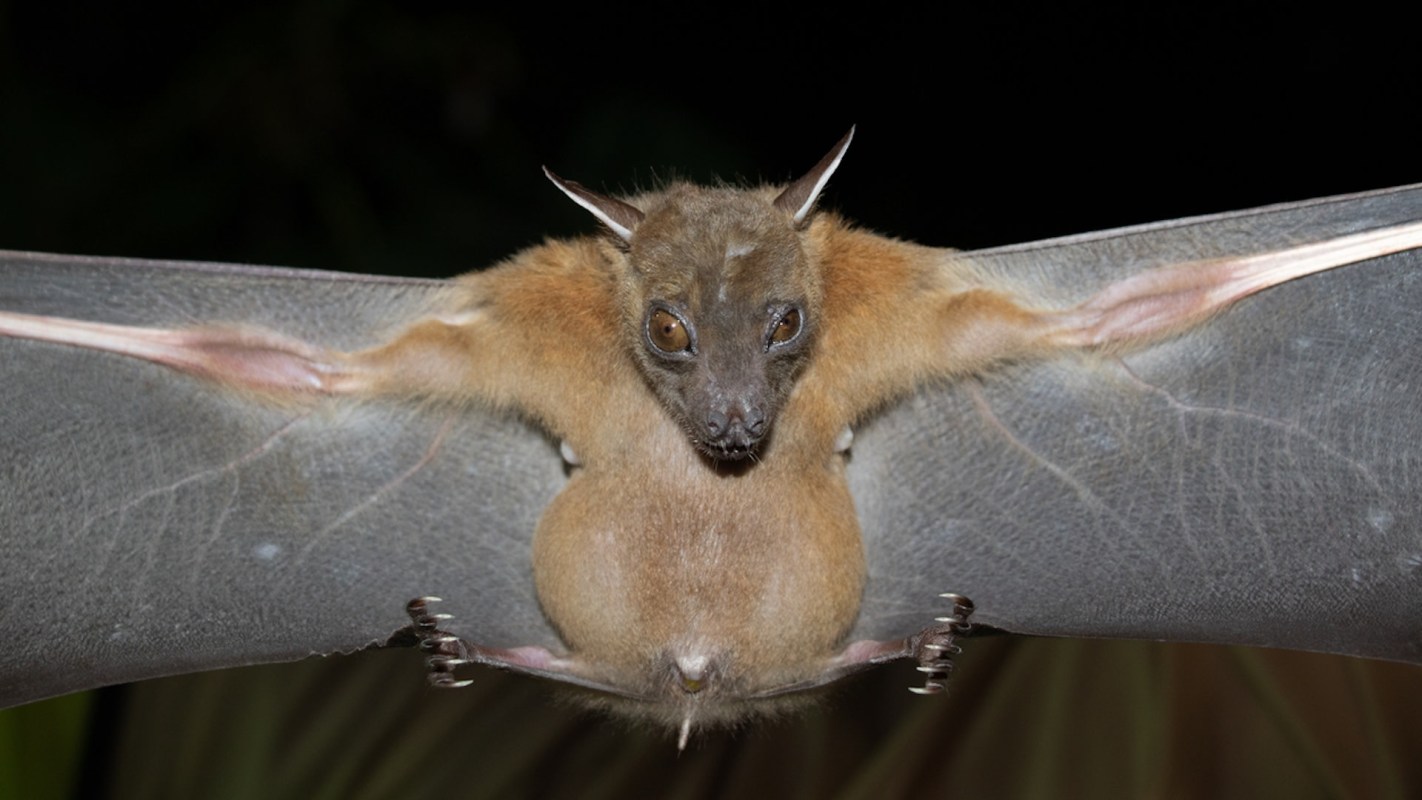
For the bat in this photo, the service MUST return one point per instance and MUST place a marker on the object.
(1104, 435)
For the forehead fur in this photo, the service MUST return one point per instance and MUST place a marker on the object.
(695, 238)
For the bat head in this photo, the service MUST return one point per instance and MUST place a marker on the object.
(720, 298)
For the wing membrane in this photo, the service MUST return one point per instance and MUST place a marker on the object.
(155, 523)
(1254, 481)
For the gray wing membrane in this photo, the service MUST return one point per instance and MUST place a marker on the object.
(156, 524)
(1255, 481)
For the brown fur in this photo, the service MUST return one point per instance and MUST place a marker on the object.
(653, 552)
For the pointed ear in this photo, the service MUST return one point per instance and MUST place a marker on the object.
(621, 217)
(799, 197)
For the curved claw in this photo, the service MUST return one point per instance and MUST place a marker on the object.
(937, 645)
(446, 652)
(417, 611)
(444, 681)
(958, 600)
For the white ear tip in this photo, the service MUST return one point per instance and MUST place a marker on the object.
(584, 198)
(820, 176)
(570, 457)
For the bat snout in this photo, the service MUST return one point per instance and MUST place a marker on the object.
(733, 432)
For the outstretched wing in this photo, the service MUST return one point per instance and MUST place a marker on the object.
(1250, 481)
(154, 524)
(1256, 480)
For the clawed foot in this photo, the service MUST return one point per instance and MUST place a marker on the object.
(936, 647)
(446, 651)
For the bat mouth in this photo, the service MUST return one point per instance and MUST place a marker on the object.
(730, 449)
(733, 437)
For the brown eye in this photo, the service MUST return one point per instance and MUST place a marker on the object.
(786, 328)
(668, 332)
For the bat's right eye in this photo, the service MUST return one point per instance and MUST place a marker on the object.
(668, 333)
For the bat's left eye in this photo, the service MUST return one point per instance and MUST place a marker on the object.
(785, 328)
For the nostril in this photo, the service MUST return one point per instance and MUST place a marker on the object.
(716, 423)
(755, 421)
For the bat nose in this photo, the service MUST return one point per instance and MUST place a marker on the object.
(717, 423)
(736, 429)
(755, 421)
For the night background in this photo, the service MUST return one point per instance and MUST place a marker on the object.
(407, 139)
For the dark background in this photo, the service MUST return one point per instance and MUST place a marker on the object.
(407, 139)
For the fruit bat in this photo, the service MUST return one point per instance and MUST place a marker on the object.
(733, 448)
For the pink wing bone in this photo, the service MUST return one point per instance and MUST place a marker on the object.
(245, 358)
(1157, 303)
(1145, 307)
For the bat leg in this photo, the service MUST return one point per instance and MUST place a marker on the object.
(933, 648)
(936, 645)
(446, 651)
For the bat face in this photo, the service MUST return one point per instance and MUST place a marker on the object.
(720, 299)
(721, 303)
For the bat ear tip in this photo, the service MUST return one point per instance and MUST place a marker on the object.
(799, 197)
(684, 734)
(622, 218)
